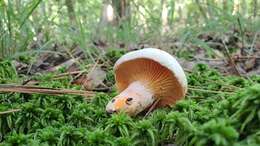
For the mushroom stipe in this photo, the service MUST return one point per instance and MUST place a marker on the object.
(145, 76)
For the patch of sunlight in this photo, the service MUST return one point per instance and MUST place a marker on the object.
(110, 12)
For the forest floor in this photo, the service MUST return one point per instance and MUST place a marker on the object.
(221, 107)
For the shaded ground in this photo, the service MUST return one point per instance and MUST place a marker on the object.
(227, 53)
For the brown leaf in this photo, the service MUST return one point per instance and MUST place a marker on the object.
(250, 64)
(187, 65)
(91, 81)
(257, 45)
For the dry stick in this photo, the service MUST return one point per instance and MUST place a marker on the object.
(67, 63)
(69, 73)
(10, 111)
(248, 57)
(23, 83)
(94, 66)
(209, 91)
(232, 61)
(39, 90)
(152, 107)
(230, 58)
(78, 75)
(254, 40)
(43, 90)
(208, 59)
(187, 70)
(242, 33)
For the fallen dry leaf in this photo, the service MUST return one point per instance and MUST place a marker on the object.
(250, 64)
(92, 80)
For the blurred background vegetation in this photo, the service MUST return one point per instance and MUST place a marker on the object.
(28, 27)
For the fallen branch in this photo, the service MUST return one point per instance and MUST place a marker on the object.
(43, 90)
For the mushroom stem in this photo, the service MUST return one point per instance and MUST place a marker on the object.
(141, 94)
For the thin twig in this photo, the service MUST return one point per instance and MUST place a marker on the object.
(10, 111)
(152, 107)
(43, 90)
(242, 33)
(69, 73)
(247, 57)
(230, 58)
(187, 70)
(66, 64)
(208, 91)
(254, 40)
(209, 59)
(91, 71)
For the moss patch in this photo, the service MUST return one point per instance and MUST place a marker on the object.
(218, 110)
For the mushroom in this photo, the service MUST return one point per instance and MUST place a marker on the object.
(146, 77)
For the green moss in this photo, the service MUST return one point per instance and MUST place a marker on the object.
(114, 54)
(25, 59)
(110, 78)
(229, 116)
(184, 53)
(7, 72)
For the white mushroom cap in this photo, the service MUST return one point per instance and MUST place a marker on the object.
(157, 69)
